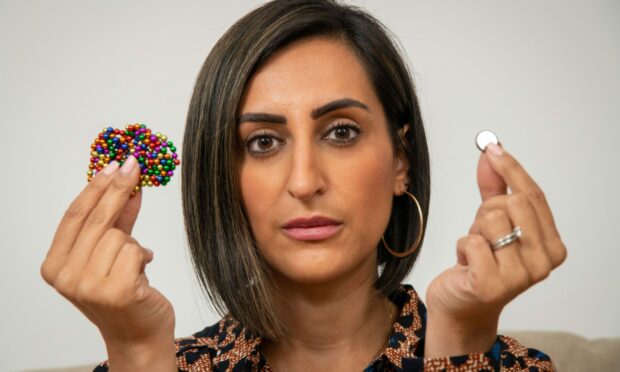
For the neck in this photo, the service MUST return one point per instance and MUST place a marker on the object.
(347, 315)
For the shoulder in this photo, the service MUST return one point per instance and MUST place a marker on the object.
(223, 345)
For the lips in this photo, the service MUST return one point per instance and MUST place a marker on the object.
(313, 228)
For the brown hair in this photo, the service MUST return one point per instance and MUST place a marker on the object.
(227, 261)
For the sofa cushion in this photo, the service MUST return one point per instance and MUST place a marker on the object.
(571, 352)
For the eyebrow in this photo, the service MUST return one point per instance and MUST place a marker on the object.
(316, 113)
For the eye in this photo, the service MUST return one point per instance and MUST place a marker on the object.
(343, 133)
(261, 143)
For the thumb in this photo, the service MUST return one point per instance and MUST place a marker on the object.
(129, 214)
(490, 182)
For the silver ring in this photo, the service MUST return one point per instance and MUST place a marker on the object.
(514, 235)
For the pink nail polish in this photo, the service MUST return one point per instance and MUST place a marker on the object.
(129, 164)
(495, 149)
(111, 168)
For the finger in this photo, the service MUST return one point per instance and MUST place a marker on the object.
(72, 222)
(73, 219)
(89, 288)
(475, 253)
(496, 225)
(129, 214)
(129, 264)
(105, 213)
(535, 253)
(519, 180)
(490, 183)
(496, 202)
(105, 253)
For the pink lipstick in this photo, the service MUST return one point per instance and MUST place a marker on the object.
(313, 228)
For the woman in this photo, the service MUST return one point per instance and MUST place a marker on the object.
(305, 190)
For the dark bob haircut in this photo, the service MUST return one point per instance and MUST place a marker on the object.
(229, 266)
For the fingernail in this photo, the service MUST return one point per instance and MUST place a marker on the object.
(129, 164)
(495, 149)
(111, 168)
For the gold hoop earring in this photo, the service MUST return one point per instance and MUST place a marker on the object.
(415, 245)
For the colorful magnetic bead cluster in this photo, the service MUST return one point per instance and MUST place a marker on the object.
(156, 155)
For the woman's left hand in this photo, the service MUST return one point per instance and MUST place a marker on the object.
(465, 301)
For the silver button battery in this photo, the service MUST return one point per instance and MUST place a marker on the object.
(484, 137)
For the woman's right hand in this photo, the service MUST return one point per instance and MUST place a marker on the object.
(96, 264)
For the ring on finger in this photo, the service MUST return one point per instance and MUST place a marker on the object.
(514, 235)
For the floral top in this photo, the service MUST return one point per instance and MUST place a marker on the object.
(228, 346)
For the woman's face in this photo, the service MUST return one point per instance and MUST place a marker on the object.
(301, 161)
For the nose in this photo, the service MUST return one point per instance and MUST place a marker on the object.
(307, 177)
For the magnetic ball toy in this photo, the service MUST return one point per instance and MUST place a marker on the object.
(155, 153)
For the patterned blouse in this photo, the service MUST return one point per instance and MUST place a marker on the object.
(227, 346)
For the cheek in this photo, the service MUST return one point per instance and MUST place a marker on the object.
(260, 189)
(366, 185)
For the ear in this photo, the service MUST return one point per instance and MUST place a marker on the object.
(401, 169)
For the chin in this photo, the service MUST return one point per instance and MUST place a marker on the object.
(314, 264)
(310, 275)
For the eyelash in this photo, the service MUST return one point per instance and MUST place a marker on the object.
(337, 142)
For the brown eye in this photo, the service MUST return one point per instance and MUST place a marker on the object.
(261, 144)
(264, 143)
(343, 133)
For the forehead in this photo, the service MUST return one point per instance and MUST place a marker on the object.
(311, 70)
